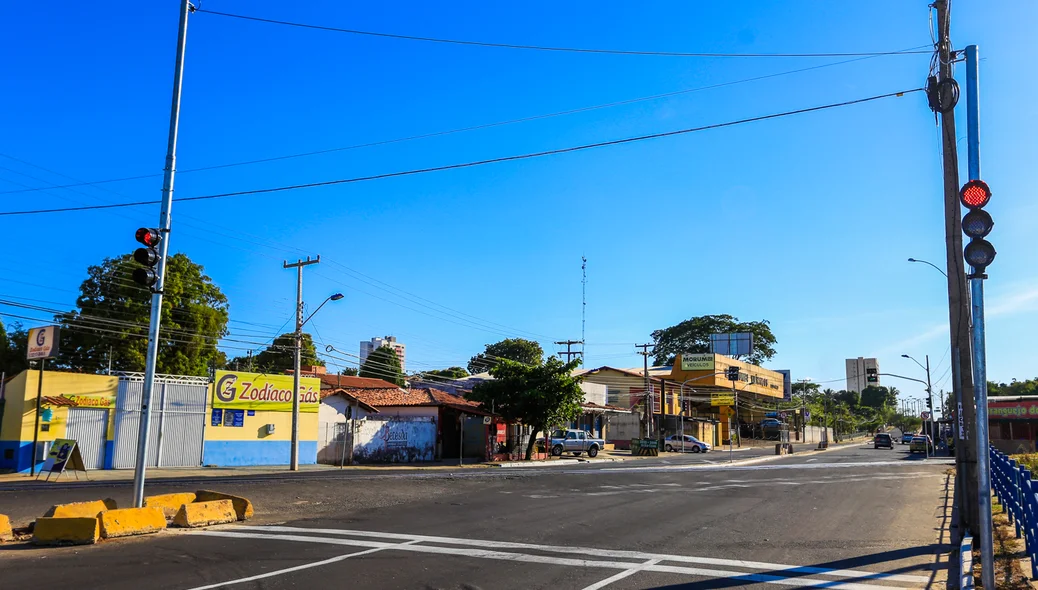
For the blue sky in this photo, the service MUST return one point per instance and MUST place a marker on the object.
(806, 221)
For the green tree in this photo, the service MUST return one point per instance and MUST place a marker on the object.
(383, 363)
(280, 355)
(876, 397)
(12, 349)
(693, 336)
(851, 399)
(349, 371)
(540, 396)
(111, 322)
(448, 373)
(520, 350)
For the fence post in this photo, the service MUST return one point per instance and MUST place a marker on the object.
(1028, 505)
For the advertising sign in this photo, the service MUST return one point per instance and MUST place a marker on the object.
(787, 384)
(63, 455)
(1022, 410)
(91, 401)
(697, 362)
(722, 399)
(732, 344)
(43, 343)
(269, 393)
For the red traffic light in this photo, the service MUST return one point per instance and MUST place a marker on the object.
(148, 236)
(975, 194)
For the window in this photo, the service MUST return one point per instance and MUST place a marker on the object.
(571, 435)
(582, 435)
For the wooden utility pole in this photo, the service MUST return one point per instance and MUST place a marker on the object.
(648, 388)
(958, 296)
(570, 354)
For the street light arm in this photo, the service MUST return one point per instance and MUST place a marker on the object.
(334, 297)
(907, 378)
(915, 361)
(939, 269)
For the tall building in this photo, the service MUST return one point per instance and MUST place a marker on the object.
(367, 348)
(861, 373)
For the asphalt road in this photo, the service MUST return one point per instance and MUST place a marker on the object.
(849, 518)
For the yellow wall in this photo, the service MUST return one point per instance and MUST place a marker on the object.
(20, 409)
(254, 428)
(754, 379)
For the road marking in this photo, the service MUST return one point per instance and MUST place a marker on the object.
(767, 578)
(301, 567)
(621, 575)
(595, 551)
(810, 460)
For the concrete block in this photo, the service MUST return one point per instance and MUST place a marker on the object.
(242, 507)
(77, 510)
(169, 503)
(131, 521)
(65, 531)
(205, 513)
(6, 534)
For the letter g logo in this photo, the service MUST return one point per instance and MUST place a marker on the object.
(225, 389)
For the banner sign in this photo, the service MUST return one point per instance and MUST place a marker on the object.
(42, 343)
(722, 399)
(1012, 410)
(91, 401)
(269, 393)
(697, 362)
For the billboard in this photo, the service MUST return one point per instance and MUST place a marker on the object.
(787, 384)
(42, 343)
(697, 362)
(258, 391)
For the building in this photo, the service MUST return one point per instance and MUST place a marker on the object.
(400, 348)
(1013, 423)
(862, 373)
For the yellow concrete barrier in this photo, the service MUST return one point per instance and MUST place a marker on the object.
(6, 534)
(242, 507)
(65, 531)
(131, 521)
(169, 503)
(78, 509)
(205, 513)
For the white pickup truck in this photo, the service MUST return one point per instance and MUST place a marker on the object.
(576, 442)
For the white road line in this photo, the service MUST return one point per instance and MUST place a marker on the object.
(563, 561)
(301, 567)
(810, 460)
(621, 575)
(594, 551)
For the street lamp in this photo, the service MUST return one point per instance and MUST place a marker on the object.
(294, 460)
(939, 269)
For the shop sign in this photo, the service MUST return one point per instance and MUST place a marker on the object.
(722, 399)
(1012, 410)
(91, 401)
(42, 343)
(697, 362)
(270, 393)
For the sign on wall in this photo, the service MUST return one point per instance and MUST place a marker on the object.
(269, 393)
(697, 362)
(787, 384)
(722, 399)
(43, 343)
(1023, 410)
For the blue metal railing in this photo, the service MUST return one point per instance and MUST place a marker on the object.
(1018, 495)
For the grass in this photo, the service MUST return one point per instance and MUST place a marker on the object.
(1028, 460)
(1009, 575)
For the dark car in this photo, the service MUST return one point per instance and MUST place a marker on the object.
(883, 440)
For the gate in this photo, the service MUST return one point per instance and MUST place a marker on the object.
(178, 416)
(89, 427)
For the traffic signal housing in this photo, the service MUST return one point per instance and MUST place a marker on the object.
(732, 373)
(977, 224)
(148, 256)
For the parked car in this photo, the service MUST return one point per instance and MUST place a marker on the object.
(883, 439)
(673, 444)
(770, 423)
(907, 437)
(577, 442)
(920, 444)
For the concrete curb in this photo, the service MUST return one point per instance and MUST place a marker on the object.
(201, 514)
(6, 534)
(169, 503)
(66, 531)
(79, 509)
(131, 521)
(242, 506)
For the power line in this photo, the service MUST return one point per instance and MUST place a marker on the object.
(477, 162)
(547, 47)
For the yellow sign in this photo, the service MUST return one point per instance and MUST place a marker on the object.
(91, 401)
(697, 362)
(722, 399)
(725, 411)
(271, 393)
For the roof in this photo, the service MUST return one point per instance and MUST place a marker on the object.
(424, 396)
(351, 382)
(630, 372)
(350, 398)
(606, 408)
(59, 400)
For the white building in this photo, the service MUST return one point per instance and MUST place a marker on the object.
(367, 348)
(861, 373)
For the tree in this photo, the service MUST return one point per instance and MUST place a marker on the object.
(520, 350)
(349, 371)
(851, 399)
(383, 363)
(449, 373)
(111, 322)
(877, 397)
(280, 355)
(540, 396)
(693, 336)
(12, 349)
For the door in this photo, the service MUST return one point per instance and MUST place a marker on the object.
(87, 426)
(178, 414)
(572, 443)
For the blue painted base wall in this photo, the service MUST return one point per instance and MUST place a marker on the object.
(22, 456)
(240, 453)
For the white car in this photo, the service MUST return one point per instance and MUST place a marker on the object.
(672, 444)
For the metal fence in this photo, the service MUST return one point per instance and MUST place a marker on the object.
(1018, 495)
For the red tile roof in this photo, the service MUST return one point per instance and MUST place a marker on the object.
(351, 382)
(59, 400)
(415, 397)
(594, 406)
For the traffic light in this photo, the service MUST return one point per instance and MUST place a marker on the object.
(871, 376)
(147, 256)
(977, 224)
(732, 373)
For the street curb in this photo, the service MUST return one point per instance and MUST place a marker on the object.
(65, 531)
(169, 503)
(202, 514)
(79, 509)
(131, 521)
(242, 506)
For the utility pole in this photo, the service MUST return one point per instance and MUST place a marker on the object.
(569, 354)
(583, 305)
(298, 265)
(929, 392)
(967, 476)
(648, 388)
(165, 223)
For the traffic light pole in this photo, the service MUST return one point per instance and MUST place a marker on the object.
(165, 222)
(980, 380)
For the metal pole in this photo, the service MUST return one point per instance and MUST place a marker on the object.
(682, 393)
(297, 362)
(929, 392)
(36, 430)
(461, 438)
(980, 380)
(165, 223)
